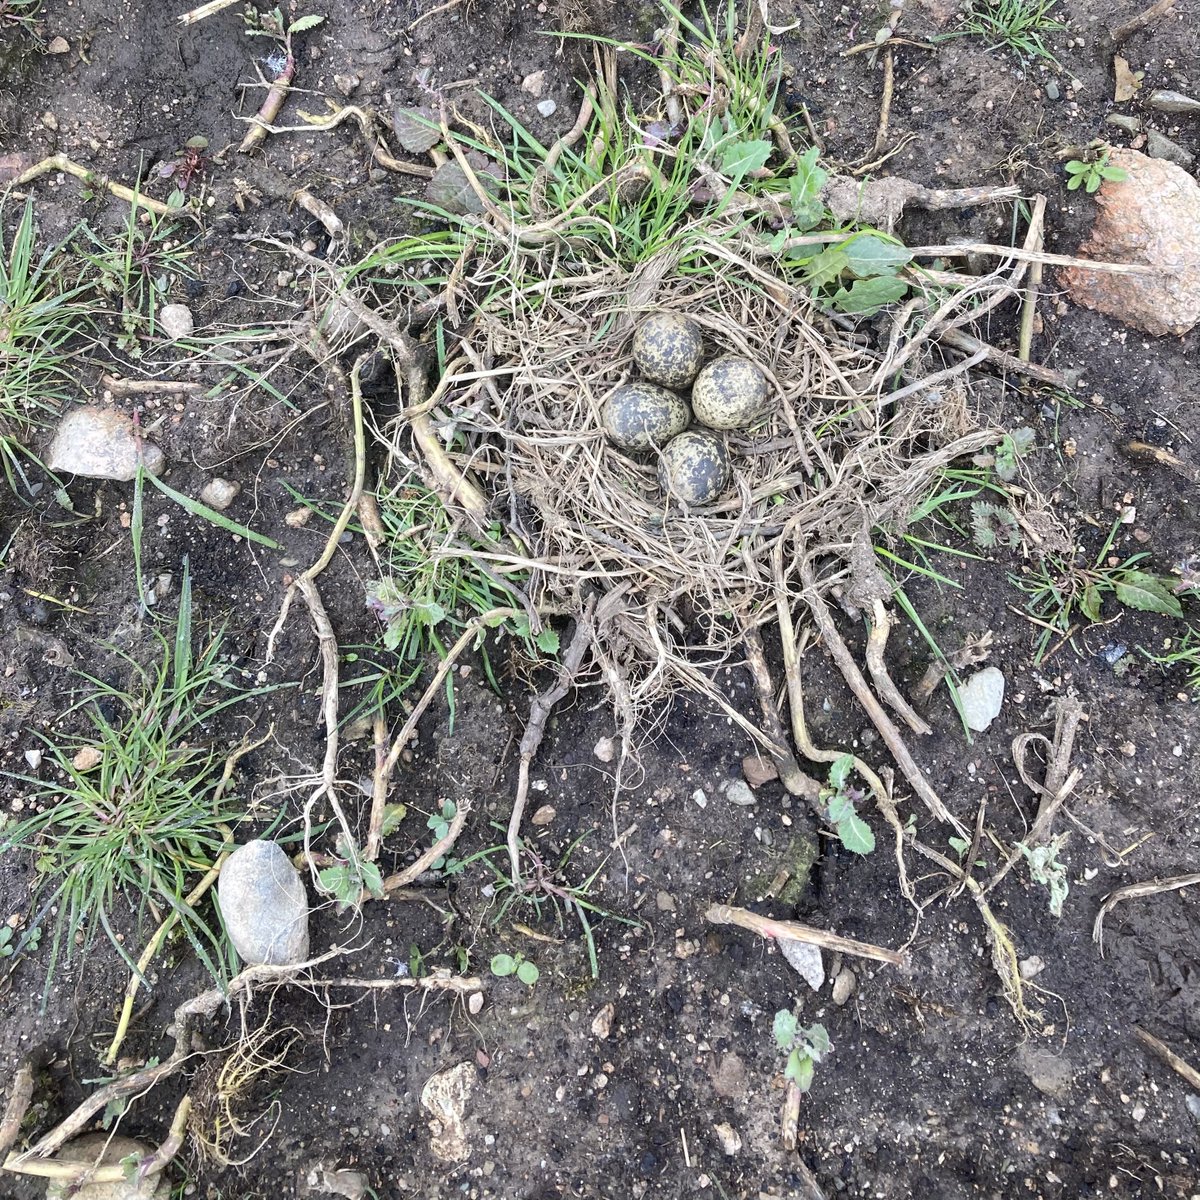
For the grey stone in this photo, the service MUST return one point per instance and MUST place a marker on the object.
(1173, 102)
(175, 321)
(219, 493)
(1158, 145)
(100, 443)
(86, 1149)
(981, 697)
(805, 959)
(1052, 92)
(843, 986)
(1049, 1073)
(1193, 1104)
(547, 108)
(264, 905)
(1128, 123)
(737, 791)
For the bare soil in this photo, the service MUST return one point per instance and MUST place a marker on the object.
(933, 1089)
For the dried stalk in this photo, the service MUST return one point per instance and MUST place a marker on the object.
(877, 639)
(18, 1105)
(60, 162)
(271, 106)
(444, 844)
(1165, 1054)
(149, 387)
(535, 727)
(783, 931)
(1119, 36)
(1151, 887)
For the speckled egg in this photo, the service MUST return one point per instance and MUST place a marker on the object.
(668, 349)
(694, 467)
(638, 416)
(731, 393)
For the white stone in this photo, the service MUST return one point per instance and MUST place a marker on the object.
(175, 321)
(534, 84)
(730, 1139)
(737, 791)
(843, 986)
(264, 905)
(547, 108)
(805, 959)
(445, 1097)
(85, 1149)
(605, 749)
(219, 493)
(100, 443)
(981, 697)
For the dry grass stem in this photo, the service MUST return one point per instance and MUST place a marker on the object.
(1151, 887)
(724, 914)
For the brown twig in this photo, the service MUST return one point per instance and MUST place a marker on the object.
(885, 103)
(94, 179)
(790, 774)
(1033, 284)
(841, 655)
(1165, 1054)
(19, 1101)
(271, 106)
(1119, 36)
(464, 985)
(976, 650)
(535, 727)
(783, 931)
(444, 844)
(1151, 887)
(204, 10)
(148, 387)
(1019, 254)
(877, 638)
(969, 344)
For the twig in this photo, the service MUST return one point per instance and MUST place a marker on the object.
(858, 685)
(271, 106)
(974, 651)
(1033, 284)
(316, 207)
(18, 1105)
(789, 1122)
(1165, 1054)
(1009, 362)
(784, 931)
(790, 774)
(885, 103)
(60, 162)
(1151, 887)
(145, 387)
(963, 249)
(81, 1173)
(443, 845)
(433, 12)
(383, 770)
(464, 985)
(205, 10)
(535, 727)
(1119, 36)
(877, 638)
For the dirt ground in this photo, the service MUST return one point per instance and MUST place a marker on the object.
(933, 1089)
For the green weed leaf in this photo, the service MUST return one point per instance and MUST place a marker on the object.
(868, 296)
(393, 814)
(826, 267)
(817, 1037)
(304, 24)
(528, 973)
(1090, 602)
(743, 157)
(855, 834)
(547, 641)
(872, 254)
(503, 964)
(840, 808)
(784, 1028)
(1147, 593)
(800, 1069)
(839, 771)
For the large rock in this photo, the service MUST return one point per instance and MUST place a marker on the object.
(1152, 218)
(100, 443)
(264, 905)
(84, 1150)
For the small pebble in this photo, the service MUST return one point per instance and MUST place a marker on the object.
(602, 1021)
(175, 320)
(730, 1139)
(737, 791)
(86, 759)
(33, 758)
(605, 749)
(1031, 966)
(664, 902)
(1052, 92)
(534, 84)
(219, 493)
(547, 108)
(758, 770)
(843, 986)
(700, 798)
(544, 815)
(1172, 102)
(58, 45)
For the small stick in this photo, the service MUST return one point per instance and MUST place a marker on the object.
(1018, 364)
(789, 1123)
(1123, 33)
(1151, 887)
(877, 638)
(858, 685)
(885, 104)
(963, 249)
(1029, 305)
(393, 883)
(60, 162)
(433, 12)
(465, 985)
(784, 931)
(535, 727)
(149, 387)
(1165, 1054)
(790, 774)
(205, 10)
(80, 1173)
(18, 1105)
(317, 207)
(271, 106)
